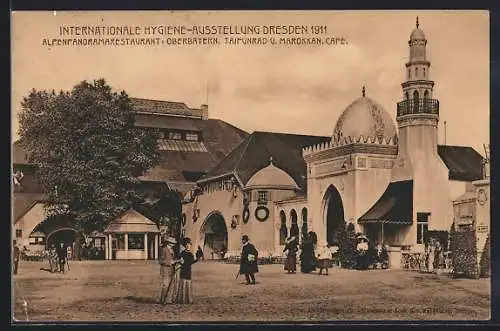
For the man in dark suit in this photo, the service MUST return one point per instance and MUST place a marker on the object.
(62, 255)
(248, 262)
(15, 257)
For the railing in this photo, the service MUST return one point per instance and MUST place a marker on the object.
(418, 106)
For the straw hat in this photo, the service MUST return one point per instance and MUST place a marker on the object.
(168, 240)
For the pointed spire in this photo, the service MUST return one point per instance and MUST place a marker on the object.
(417, 22)
(271, 160)
(363, 91)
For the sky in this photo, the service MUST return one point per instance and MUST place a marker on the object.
(285, 88)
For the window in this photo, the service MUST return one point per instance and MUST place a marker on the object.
(19, 233)
(175, 135)
(98, 243)
(422, 227)
(283, 229)
(409, 73)
(135, 241)
(416, 72)
(294, 229)
(120, 241)
(192, 136)
(424, 71)
(262, 198)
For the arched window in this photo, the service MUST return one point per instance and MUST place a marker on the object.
(294, 229)
(416, 72)
(304, 222)
(415, 102)
(407, 96)
(409, 73)
(283, 229)
(424, 71)
(426, 94)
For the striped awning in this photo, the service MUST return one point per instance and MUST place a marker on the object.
(395, 206)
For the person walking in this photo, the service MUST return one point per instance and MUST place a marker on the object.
(248, 261)
(53, 258)
(324, 256)
(291, 255)
(187, 259)
(168, 274)
(15, 257)
(62, 256)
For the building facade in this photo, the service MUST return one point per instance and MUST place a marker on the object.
(391, 180)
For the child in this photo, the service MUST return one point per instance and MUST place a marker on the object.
(324, 256)
(185, 293)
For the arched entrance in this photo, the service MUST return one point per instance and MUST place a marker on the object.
(66, 236)
(214, 237)
(334, 211)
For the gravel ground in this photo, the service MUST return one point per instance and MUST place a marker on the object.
(128, 291)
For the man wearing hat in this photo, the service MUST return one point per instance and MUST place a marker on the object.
(248, 262)
(15, 257)
(168, 274)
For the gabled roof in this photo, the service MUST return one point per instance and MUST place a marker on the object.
(464, 163)
(254, 153)
(132, 221)
(164, 107)
(23, 202)
(219, 139)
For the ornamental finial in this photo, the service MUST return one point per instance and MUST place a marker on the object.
(363, 91)
(417, 22)
(271, 160)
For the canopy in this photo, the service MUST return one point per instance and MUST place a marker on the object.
(395, 206)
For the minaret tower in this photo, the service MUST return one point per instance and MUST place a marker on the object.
(418, 113)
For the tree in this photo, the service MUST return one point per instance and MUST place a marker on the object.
(485, 260)
(463, 253)
(350, 252)
(88, 152)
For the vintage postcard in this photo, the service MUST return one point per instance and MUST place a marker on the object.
(236, 166)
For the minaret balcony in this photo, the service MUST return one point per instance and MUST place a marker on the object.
(421, 106)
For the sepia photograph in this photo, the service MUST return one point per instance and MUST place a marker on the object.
(250, 166)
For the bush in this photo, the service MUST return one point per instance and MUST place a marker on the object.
(464, 253)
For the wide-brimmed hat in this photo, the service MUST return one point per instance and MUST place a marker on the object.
(245, 238)
(168, 240)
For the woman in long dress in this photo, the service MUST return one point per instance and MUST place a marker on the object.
(187, 259)
(291, 255)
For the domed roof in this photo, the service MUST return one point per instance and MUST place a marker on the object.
(271, 177)
(417, 33)
(364, 118)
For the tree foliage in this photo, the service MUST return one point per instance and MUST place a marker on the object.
(464, 253)
(87, 149)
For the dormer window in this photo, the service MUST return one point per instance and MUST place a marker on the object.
(174, 135)
(192, 136)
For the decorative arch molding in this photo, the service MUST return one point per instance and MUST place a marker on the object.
(67, 228)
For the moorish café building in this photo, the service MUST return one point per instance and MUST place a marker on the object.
(393, 181)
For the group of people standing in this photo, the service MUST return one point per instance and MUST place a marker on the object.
(58, 258)
(176, 261)
(313, 255)
(434, 256)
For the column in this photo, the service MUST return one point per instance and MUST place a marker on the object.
(110, 247)
(145, 246)
(106, 248)
(126, 246)
(156, 247)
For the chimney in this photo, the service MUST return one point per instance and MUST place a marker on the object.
(204, 111)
